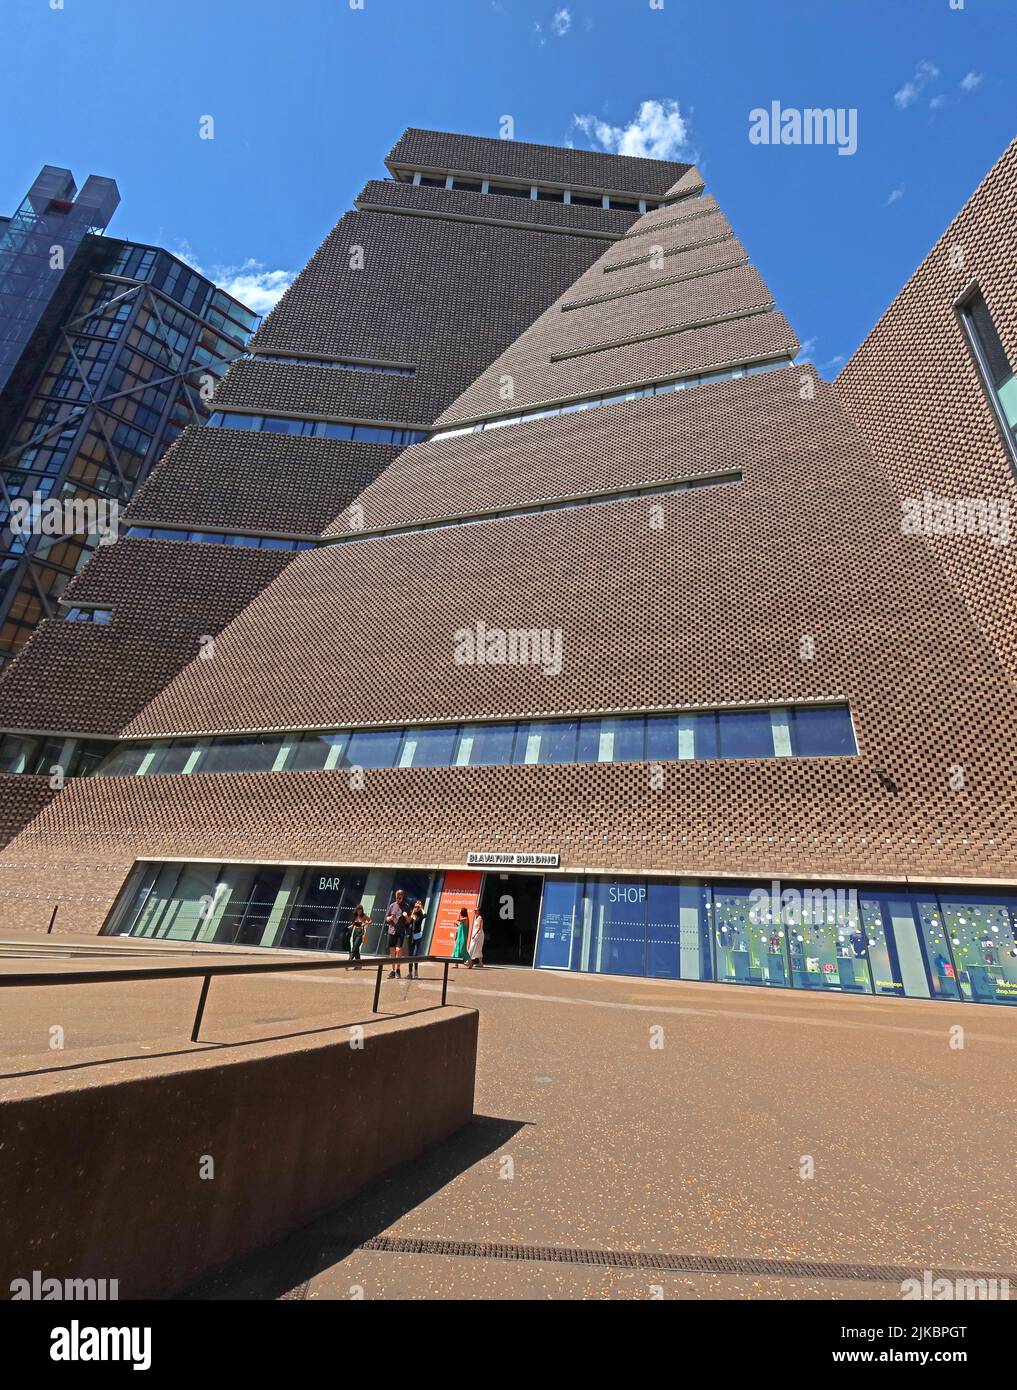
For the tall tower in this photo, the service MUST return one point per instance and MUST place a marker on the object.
(533, 572)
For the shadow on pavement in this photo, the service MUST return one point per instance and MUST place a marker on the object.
(285, 1267)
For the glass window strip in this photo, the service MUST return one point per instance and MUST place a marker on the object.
(351, 365)
(168, 533)
(657, 388)
(999, 380)
(580, 197)
(757, 732)
(317, 429)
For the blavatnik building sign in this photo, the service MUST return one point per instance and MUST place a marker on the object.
(490, 859)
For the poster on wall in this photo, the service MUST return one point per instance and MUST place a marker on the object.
(460, 889)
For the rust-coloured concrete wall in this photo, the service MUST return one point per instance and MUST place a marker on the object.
(103, 1180)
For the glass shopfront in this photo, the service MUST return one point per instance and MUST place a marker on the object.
(845, 940)
(239, 904)
(655, 927)
(848, 940)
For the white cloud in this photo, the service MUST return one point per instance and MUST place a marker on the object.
(896, 195)
(937, 102)
(657, 131)
(807, 355)
(924, 73)
(972, 80)
(561, 22)
(258, 288)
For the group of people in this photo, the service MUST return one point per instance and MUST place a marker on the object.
(405, 934)
(469, 947)
(405, 928)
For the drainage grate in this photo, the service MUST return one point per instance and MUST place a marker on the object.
(672, 1264)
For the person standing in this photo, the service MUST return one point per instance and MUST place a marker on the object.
(396, 930)
(358, 930)
(460, 953)
(415, 938)
(476, 947)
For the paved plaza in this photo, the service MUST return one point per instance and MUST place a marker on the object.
(618, 1119)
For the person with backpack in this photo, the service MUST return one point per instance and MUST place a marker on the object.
(358, 930)
(415, 938)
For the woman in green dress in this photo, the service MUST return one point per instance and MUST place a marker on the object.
(461, 953)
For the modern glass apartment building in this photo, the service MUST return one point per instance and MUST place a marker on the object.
(521, 567)
(108, 350)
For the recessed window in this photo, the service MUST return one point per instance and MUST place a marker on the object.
(317, 751)
(662, 738)
(510, 190)
(428, 747)
(171, 760)
(586, 200)
(468, 185)
(993, 364)
(822, 730)
(374, 748)
(255, 754)
(772, 732)
(125, 760)
(485, 745)
(746, 734)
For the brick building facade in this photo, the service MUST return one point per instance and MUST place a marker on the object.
(578, 565)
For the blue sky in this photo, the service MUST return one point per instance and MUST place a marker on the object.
(308, 96)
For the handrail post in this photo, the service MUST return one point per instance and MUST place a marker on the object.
(377, 989)
(52, 919)
(444, 984)
(201, 1007)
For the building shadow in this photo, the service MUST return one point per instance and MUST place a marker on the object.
(283, 1269)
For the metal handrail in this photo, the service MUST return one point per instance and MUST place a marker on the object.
(205, 972)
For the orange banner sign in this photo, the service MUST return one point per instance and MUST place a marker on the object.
(458, 891)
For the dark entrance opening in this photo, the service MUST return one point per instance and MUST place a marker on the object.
(510, 904)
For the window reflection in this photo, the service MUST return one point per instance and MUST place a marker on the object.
(751, 946)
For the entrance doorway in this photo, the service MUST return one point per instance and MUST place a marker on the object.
(510, 905)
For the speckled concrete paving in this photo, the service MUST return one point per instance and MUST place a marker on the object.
(627, 1115)
(145, 1024)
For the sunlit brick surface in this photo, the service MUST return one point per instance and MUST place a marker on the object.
(446, 297)
(915, 391)
(246, 480)
(718, 427)
(165, 596)
(518, 159)
(793, 584)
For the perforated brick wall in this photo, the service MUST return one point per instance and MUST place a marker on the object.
(793, 584)
(916, 393)
(521, 159)
(442, 296)
(165, 596)
(243, 480)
